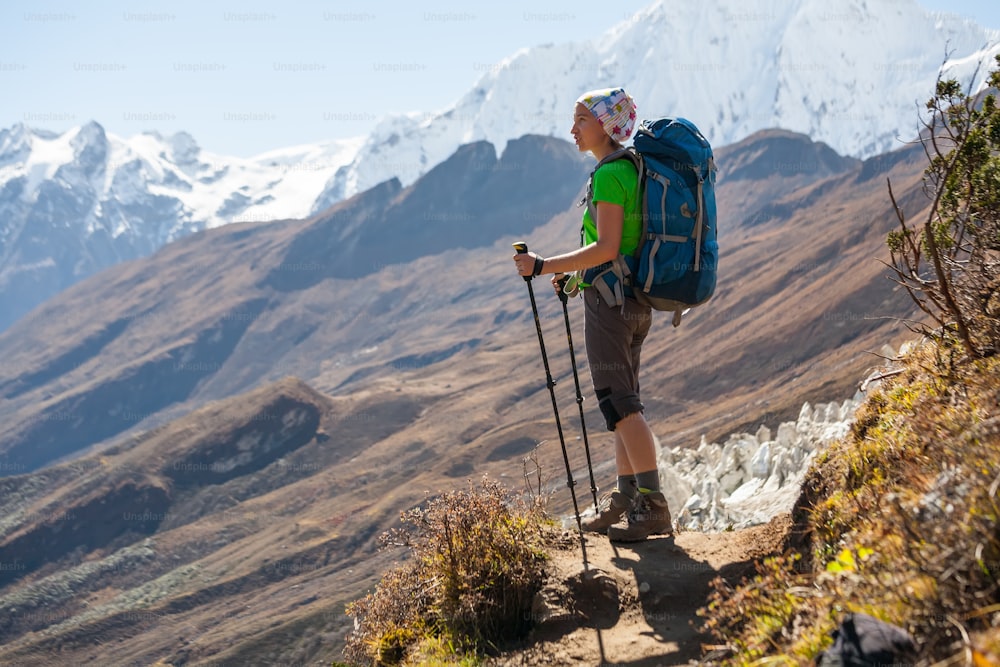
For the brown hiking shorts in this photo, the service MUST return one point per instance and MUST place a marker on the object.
(614, 339)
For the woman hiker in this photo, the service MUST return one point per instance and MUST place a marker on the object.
(615, 327)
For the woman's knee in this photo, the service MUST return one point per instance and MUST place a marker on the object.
(616, 406)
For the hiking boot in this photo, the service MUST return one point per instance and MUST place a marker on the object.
(650, 516)
(618, 504)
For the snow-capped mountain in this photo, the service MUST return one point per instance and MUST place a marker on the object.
(205, 190)
(74, 203)
(850, 74)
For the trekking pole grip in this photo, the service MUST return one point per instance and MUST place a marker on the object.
(522, 248)
(562, 287)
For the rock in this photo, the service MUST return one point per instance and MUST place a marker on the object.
(546, 607)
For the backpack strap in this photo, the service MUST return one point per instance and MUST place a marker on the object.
(620, 154)
(618, 265)
(700, 221)
(640, 168)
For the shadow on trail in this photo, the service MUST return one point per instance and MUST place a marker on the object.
(636, 605)
(672, 587)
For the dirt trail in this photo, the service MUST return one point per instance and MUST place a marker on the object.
(635, 604)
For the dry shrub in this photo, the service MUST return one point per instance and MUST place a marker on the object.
(478, 560)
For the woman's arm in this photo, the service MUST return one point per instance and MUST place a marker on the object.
(610, 219)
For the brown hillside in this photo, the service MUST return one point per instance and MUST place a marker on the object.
(102, 559)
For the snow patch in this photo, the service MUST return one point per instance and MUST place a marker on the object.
(48, 154)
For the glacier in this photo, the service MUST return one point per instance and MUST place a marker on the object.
(751, 478)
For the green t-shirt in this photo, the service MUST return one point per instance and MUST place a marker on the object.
(617, 183)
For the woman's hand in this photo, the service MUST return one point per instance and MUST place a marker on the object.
(557, 282)
(525, 262)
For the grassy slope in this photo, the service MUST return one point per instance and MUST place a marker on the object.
(898, 520)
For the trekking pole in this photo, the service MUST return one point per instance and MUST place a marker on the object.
(579, 394)
(521, 247)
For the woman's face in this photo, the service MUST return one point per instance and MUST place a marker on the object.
(588, 133)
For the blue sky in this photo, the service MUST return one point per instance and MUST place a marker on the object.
(248, 77)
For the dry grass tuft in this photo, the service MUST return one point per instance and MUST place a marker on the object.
(478, 558)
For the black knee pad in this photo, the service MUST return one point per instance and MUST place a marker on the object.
(611, 415)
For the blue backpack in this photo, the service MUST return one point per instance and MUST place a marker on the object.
(674, 265)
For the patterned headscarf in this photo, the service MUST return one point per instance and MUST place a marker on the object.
(614, 109)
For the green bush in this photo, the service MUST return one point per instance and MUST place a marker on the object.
(948, 260)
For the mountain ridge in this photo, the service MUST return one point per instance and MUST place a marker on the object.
(197, 325)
